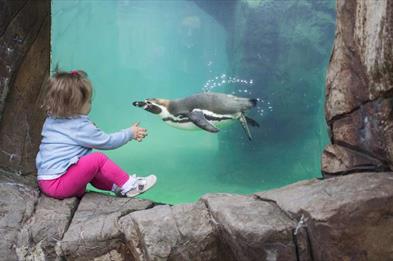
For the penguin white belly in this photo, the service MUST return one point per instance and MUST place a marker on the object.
(217, 120)
(183, 125)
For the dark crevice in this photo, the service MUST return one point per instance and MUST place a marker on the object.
(273, 202)
(355, 171)
(375, 165)
(345, 114)
(122, 236)
(173, 248)
(142, 246)
(212, 220)
(26, 221)
(309, 245)
(222, 247)
(383, 95)
(295, 238)
(73, 211)
(160, 204)
(330, 132)
(123, 239)
(366, 153)
(125, 213)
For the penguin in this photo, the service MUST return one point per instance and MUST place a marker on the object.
(206, 111)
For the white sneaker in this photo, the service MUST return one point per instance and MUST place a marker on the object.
(141, 185)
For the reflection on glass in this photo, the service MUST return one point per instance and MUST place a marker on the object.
(272, 51)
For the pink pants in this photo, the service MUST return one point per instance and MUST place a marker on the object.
(95, 168)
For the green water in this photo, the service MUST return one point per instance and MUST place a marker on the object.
(134, 50)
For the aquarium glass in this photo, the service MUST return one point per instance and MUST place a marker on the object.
(273, 51)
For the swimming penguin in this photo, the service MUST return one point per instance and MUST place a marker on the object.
(205, 111)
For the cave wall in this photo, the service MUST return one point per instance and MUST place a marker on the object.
(24, 67)
(359, 90)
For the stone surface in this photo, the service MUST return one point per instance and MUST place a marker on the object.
(181, 232)
(250, 229)
(39, 235)
(24, 66)
(361, 66)
(359, 95)
(303, 221)
(94, 230)
(347, 218)
(341, 160)
(373, 35)
(20, 27)
(8, 11)
(368, 129)
(17, 205)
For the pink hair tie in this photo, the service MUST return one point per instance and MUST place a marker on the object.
(74, 73)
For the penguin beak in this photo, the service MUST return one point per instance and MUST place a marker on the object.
(139, 103)
(147, 106)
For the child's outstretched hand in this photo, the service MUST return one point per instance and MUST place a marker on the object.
(138, 132)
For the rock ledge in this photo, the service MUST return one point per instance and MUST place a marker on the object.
(342, 218)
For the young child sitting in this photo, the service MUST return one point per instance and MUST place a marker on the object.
(65, 161)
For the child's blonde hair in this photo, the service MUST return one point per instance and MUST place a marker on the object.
(67, 93)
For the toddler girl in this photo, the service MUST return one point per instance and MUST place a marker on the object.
(65, 162)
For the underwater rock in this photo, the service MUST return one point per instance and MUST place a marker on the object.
(346, 218)
(359, 96)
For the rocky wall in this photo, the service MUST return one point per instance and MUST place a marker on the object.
(342, 218)
(359, 96)
(24, 66)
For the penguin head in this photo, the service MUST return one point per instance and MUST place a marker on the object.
(153, 105)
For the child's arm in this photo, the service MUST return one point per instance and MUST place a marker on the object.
(90, 136)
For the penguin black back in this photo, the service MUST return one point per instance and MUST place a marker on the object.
(215, 102)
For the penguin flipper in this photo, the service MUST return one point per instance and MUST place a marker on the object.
(198, 118)
(243, 121)
(252, 122)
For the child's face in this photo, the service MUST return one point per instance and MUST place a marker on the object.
(86, 107)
